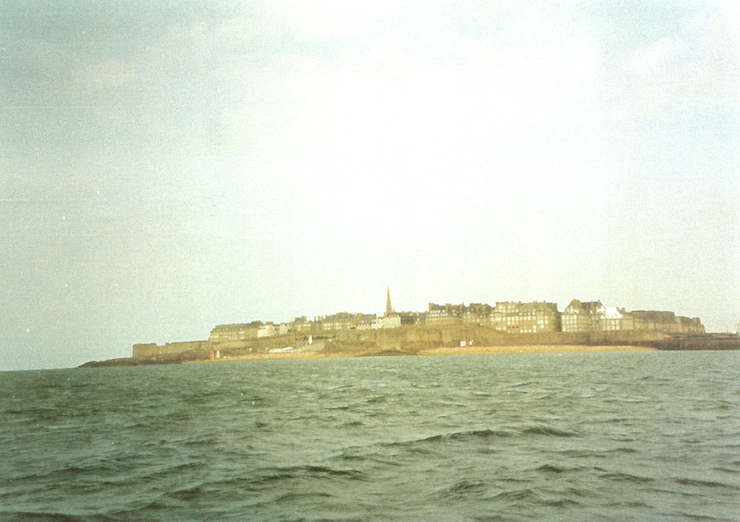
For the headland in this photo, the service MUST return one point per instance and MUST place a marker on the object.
(506, 328)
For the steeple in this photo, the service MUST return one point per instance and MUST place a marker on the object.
(388, 307)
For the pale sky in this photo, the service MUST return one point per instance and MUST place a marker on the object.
(169, 166)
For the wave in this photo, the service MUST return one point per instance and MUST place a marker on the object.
(603, 454)
(725, 470)
(188, 494)
(626, 477)
(456, 436)
(705, 483)
(268, 476)
(561, 502)
(517, 495)
(297, 497)
(549, 431)
(32, 516)
(693, 516)
(549, 468)
(463, 489)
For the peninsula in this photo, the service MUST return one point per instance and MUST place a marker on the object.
(506, 327)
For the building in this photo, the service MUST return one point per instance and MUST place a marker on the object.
(267, 330)
(390, 319)
(408, 318)
(477, 314)
(387, 321)
(517, 317)
(690, 326)
(616, 319)
(444, 315)
(666, 322)
(505, 316)
(229, 333)
(582, 316)
(339, 321)
(302, 325)
(367, 322)
(540, 317)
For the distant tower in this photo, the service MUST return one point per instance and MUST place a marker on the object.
(388, 307)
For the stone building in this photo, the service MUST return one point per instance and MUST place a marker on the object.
(229, 333)
(616, 319)
(477, 314)
(367, 322)
(517, 317)
(690, 325)
(387, 321)
(339, 321)
(666, 322)
(390, 319)
(582, 316)
(302, 325)
(540, 317)
(444, 315)
(408, 318)
(506, 316)
(267, 330)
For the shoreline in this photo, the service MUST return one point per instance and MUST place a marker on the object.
(348, 351)
(437, 351)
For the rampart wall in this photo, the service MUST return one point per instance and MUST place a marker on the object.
(417, 337)
(142, 350)
(405, 338)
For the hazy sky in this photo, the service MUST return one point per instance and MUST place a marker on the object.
(169, 166)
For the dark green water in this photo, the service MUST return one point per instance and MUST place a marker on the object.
(602, 436)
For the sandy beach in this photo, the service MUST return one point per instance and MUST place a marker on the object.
(454, 350)
(539, 348)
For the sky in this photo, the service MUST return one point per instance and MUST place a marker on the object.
(169, 166)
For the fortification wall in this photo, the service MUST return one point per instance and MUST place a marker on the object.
(142, 350)
(710, 342)
(421, 336)
(261, 344)
(405, 338)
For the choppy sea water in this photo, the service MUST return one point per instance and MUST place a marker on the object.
(596, 436)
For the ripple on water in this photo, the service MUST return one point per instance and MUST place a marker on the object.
(479, 438)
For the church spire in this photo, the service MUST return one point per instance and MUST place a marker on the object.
(388, 307)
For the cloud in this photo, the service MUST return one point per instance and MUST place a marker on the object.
(699, 63)
(644, 60)
(331, 18)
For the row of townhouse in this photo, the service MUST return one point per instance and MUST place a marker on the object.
(536, 317)
(505, 316)
(594, 316)
(346, 321)
(234, 333)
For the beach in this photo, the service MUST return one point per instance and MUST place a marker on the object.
(445, 350)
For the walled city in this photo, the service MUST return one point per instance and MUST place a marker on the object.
(442, 325)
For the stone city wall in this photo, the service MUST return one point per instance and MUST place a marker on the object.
(142, 350)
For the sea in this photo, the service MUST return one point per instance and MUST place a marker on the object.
(543, 436)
